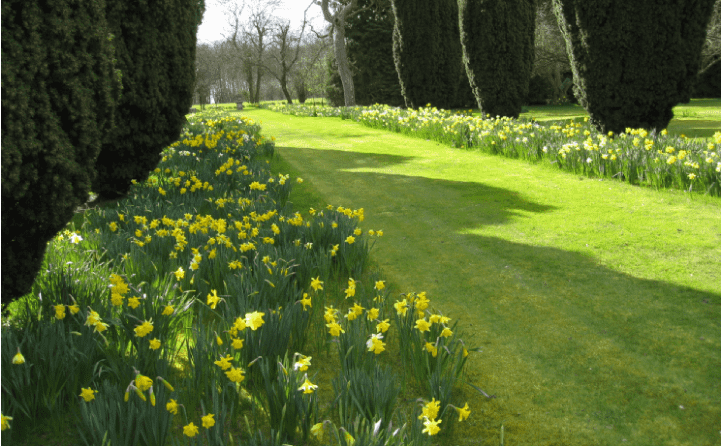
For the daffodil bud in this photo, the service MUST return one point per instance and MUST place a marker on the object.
(152, 397)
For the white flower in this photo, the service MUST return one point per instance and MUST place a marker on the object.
(75, 238)
(589, 160)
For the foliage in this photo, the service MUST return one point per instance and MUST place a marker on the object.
(59, 90)
(156, 46)
(427, 51)
(370, 51)
(633, 61)
(498, 50)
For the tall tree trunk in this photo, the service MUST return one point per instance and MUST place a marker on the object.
(341, 55)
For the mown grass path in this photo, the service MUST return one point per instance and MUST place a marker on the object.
(597, 304)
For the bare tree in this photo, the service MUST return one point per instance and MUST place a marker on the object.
(285, 55)
(310, 75)
(251, 36)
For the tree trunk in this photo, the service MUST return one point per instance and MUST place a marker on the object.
(284, 86)
(341, 57)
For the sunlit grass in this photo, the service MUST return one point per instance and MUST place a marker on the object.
(596, 303)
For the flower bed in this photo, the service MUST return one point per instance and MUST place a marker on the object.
(183, 312)
(636, 156)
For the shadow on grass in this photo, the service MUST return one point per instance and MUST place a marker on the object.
(473, 204)
(594, 341)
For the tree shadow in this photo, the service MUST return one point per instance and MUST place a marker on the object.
(563, 312)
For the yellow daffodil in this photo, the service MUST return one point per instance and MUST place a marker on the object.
(168, 310)
(302, 364)
(463, 413)
(307, 387)
(18, 358)
(213, 299)
(154, 344)
(316, 284)
(60, 311)
(6, 424)
(208, 420)
(401, 307)
(237, 343)
(383, 326)
(190, 430)
(88, 394)
(172, 406)
(317, 431)
(144, 329)
(235, 375)
(431, 426)
(306, 301)
(224, 362)
(254, 320)
(334, 329)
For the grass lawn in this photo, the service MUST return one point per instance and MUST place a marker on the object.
(597, 304)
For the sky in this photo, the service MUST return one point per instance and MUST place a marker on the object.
(215, 23)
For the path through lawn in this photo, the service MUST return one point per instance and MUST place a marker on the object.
(597, 304)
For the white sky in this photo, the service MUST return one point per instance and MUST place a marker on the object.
(215, 23)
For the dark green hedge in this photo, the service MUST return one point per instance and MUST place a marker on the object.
(498, 51)
(427, 51)
(155, 47)
(58, 95)
(633, 61)
(369, 36)
(66, 129)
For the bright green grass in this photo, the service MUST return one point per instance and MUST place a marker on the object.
(597, 304)
(700, 118)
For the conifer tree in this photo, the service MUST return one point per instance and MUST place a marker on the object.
(59, 90)
(633, 61)
(427, 51)
(497, 38)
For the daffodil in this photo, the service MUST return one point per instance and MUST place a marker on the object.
(144, 329)
(334, 329)
(154, 344)
(430, 409)
(431, 426)
(305, 301)
(208, 420)
(60, 311)
(172, 406)
(316, 284)
(6, 424)
(254, 320)
(190, 430)
(383, 326)
(224, 363)
(235, 375)
(307, 387)
(302, 364)
(18, 358)
(422, 325)
(88, 394)
(380, 285)
(237, 343)
(213, 299)
(463, 413)
(168, 310)
(317, 431)
(401, 307)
